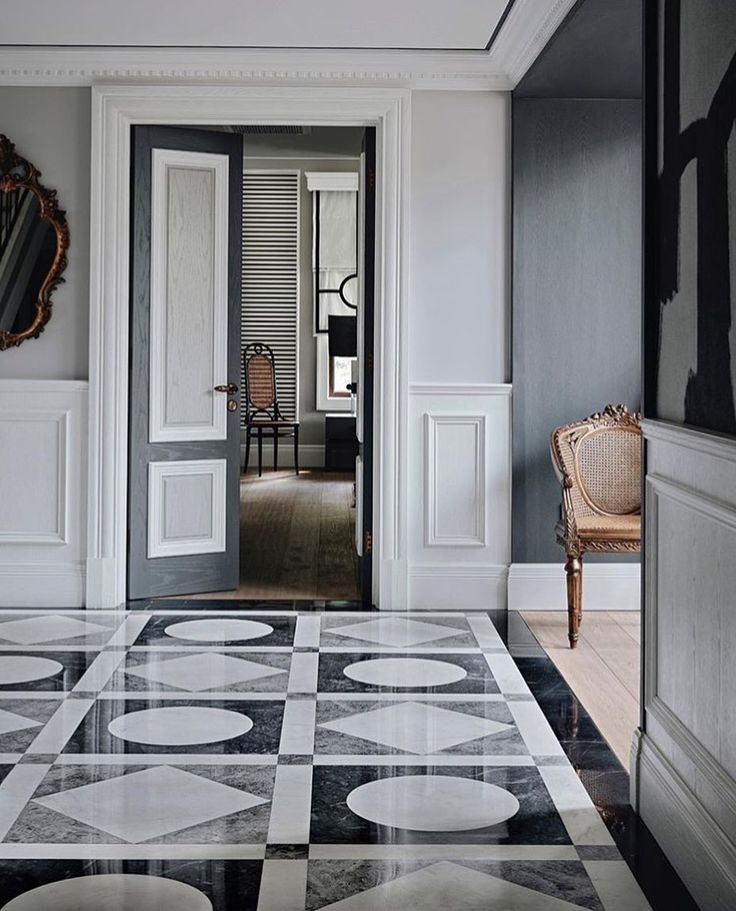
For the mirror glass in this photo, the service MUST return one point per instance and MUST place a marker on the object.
(27, 252)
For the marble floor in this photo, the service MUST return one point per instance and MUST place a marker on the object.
(208, 757)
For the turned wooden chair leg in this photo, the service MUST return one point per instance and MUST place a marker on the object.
(574, 571)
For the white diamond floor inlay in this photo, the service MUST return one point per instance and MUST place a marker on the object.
(112, 892)
(432, 803)
(10, 722)
(398, 632)
(416, 727)
(405, 672)
(446, 885)
(203, 671)
(150, 803)
(180, 725)
(35, 630)
(218, 630)
(26, 668)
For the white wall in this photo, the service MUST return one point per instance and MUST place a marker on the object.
(459, 410)
(51, 128)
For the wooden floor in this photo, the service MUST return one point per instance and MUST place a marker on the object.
(603, 671)
(296, 537)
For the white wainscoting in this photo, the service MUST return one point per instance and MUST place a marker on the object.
(460, 479)
(684, 761)
(43, 458)
(606, 586)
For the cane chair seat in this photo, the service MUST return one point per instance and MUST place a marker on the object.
(598, 463)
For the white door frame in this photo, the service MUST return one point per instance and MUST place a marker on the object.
(115, 108)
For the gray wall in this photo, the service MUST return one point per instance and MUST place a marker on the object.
(51, 128)
(326, 149)
(576, 287)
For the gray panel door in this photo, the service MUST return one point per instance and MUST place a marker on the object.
(184, 466)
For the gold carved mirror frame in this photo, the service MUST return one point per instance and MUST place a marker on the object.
(17, 173)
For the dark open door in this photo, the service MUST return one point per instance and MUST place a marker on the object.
(184, 465)
(364, 422)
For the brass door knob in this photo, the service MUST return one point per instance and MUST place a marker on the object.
(227, 388)
(232, 405)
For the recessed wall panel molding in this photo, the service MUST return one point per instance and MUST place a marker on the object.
(43, 458)
(186, 507)
(455, 479)
(189, 295)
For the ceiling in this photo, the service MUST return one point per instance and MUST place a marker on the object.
(338, 24)
(596, 53)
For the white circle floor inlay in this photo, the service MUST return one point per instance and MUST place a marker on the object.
(405, 672)
(432, 803)
(218, 630)
(112, 892)
(177, 725)
(25, 668)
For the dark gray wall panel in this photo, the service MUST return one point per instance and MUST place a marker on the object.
(576, 288)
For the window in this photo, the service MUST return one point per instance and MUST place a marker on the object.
(270, 288)
(335, 274)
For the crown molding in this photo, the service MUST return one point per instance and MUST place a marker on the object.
(82, 66)
(527, 29)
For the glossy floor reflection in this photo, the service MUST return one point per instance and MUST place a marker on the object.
(295, 759)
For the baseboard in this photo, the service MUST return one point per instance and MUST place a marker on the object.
(701, 852)
(457, 586)
(606, 586)
(310, 455)
(42, 585)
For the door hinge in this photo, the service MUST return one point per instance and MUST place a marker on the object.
(367, 542)
(371, 180)
(369, 362)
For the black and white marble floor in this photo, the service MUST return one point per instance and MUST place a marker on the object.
(286, 760)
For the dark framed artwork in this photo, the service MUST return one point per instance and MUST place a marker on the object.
(690, 213)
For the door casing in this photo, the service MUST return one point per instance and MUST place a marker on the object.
(115, 109)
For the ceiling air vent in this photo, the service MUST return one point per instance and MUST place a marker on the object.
(270, 130)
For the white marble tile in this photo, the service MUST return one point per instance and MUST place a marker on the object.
(432, 803)
(193, 851)
(405, 672)
(15, 669)
(202, 671)
(16, 790)
(400, 632)
(485, 632)
(291, 805)
(129, 629)
(406, 851)
(112, 892)
(150, 803)
(188, 759)
(446, 885)
(434, 759)
(297, 729)
(534, 728)
(507, 674)
(50, 628)
(616, 887)
(11, 721)
(306, 634)
(180, 725)
(303, 674)
(387, 696)
(219, 629)
(416, 727)
(60, 727)
(582, 821)
(283, 885)
(99, 672)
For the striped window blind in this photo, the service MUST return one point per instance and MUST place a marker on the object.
(270, 288)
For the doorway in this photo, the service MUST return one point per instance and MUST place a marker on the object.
(220, 505)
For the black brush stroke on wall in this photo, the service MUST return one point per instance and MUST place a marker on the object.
(709, 395)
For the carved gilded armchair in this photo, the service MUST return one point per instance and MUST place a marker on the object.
(598, 463)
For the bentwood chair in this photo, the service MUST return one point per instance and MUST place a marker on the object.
(598, 463)
(262, 413)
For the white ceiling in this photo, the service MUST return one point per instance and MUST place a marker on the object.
(339, 24)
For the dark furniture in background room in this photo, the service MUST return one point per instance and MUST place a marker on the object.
(262, 413)
(341, 442)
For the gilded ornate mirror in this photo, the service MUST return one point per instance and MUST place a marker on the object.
(33, 242)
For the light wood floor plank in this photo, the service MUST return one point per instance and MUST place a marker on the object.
(603, 671)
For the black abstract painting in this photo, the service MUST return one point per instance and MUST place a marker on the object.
(695, 284)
